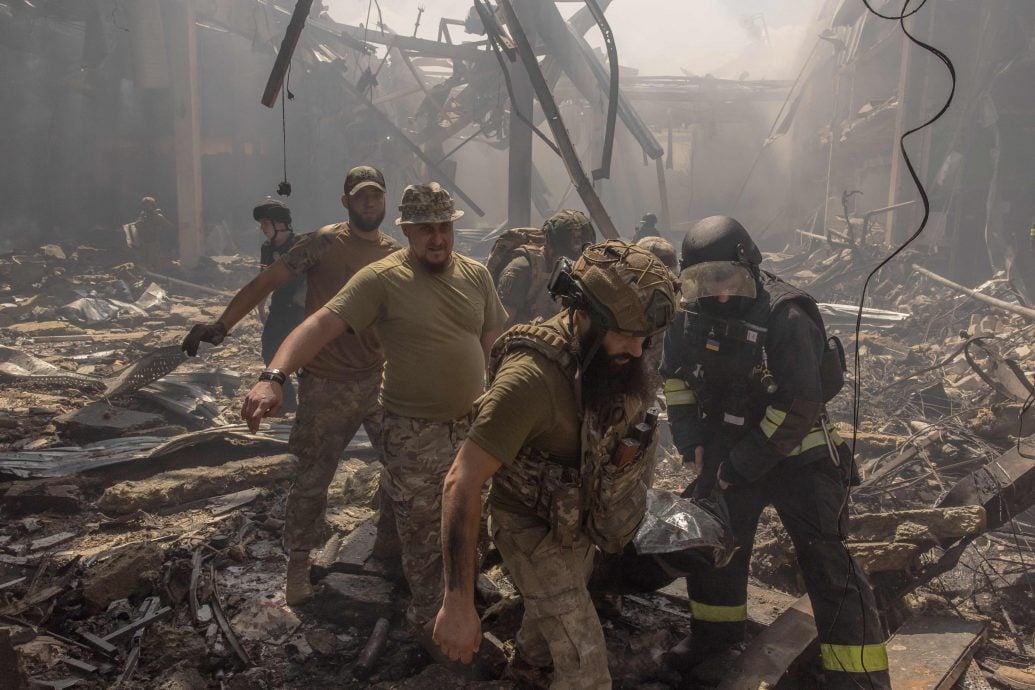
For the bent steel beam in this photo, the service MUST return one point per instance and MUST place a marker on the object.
(560, 134)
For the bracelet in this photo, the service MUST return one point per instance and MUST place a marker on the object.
(273, 375)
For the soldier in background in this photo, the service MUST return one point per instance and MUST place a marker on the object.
(521, 264)
(144, 235)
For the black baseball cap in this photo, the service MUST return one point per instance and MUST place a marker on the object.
(364, 176)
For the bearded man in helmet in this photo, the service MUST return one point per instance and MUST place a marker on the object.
(563, 431)
(748, 369)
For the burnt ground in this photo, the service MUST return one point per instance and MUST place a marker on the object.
(93, 551)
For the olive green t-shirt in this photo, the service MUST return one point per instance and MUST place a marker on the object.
(430, 327)
(329, 257)
(531, 402)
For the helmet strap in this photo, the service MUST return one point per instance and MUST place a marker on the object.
(585, 358)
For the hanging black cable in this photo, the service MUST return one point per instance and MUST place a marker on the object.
(857, 359)
(284, 188)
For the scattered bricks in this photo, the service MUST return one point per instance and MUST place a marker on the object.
(133, 570)
(41, 496)
(98, 421)
(357, 600)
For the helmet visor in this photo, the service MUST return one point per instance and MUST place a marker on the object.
(715, 279)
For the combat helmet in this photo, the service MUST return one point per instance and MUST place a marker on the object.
(567, 231)
(718, 258)
(622, 287)
(272, 209)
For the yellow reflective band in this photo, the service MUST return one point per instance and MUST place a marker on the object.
(710, 613)
(815, 439)
(676, 393)
(772, 421)
(854, 658)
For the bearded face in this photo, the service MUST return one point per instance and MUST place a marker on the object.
(613, 373)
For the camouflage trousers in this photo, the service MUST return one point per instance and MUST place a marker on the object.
(329, 415)
(560, 625)
(417, 455)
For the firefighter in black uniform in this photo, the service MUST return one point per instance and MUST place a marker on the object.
(747, 371)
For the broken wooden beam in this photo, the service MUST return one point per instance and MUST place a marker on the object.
(924, 525)
(778, 647)
(99, 643)
(931, 653)
(224, 624)
(287, 50)
(979, 296)
(1004, 487)
(32, 599)
(178, 487)
(139, 624)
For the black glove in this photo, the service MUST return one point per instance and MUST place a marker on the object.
(207, 332)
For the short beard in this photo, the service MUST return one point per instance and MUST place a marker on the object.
(356, 221)
(605, 380)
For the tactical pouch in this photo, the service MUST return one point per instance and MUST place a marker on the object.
(565, 513)
(832, 368)
(618, 506)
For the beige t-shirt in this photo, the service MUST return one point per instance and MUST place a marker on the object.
(430, 325)
(329, 257)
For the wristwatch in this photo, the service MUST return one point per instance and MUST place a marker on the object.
(273, 375)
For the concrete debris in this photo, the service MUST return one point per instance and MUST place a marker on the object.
(353, 600)
(101, 420)
(132, 570)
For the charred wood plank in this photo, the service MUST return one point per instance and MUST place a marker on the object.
(931, 653)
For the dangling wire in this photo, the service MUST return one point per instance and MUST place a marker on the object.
(857, 384)
(284, 188)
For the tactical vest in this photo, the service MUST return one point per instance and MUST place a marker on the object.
(598, 497)
(731, 379)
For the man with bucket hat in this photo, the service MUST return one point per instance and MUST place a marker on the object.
(436, 313)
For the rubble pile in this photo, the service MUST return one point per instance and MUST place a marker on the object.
(141, 541)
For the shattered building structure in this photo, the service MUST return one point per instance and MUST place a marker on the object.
(142, 523)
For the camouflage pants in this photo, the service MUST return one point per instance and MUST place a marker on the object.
(417, 455)
(329, 414)
(560, 623)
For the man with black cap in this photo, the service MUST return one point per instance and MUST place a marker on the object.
(748, 370)
(287, 303)
(436, 313)
(338, 387)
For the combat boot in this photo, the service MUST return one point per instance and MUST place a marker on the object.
(298, 590)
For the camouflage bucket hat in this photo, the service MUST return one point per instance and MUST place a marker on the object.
(569, 226)
(626, 288)
(426, 203)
